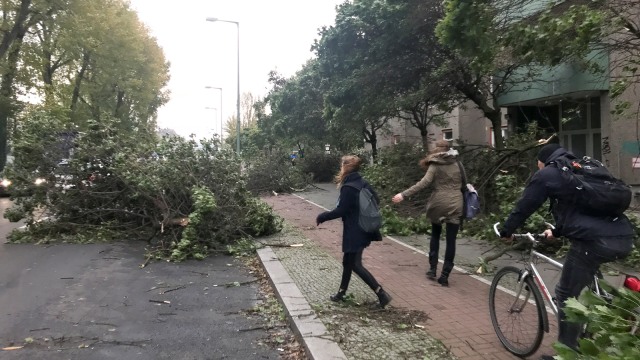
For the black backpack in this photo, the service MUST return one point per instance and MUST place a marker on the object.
(592, 188)
(369, 218)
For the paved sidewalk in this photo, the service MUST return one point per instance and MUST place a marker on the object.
(456, 325)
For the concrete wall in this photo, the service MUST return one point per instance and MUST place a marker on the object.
(621, 151)
(474, 126)
(398, 130)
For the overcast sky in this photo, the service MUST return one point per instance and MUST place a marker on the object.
(274, 34)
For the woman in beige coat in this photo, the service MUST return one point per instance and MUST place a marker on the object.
(443, 176)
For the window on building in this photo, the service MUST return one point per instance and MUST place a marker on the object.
(493, 136)
(580, 127)
(447, 134)
(396, 139)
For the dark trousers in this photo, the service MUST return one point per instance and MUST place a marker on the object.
(450, 251)
(582, 263)
(352, 262)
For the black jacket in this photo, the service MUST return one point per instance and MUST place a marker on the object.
(354, 238)
(548, 183)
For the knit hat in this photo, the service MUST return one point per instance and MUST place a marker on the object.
(546, 151)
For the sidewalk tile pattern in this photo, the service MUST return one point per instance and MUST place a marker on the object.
(458, 315)
(317, 275)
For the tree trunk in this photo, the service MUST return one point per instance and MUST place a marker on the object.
(7, 98)
(496, 122)
(79, 77)
(424, 134)
(371, 138)
(18, 29)
(374, 148)
(119, 104)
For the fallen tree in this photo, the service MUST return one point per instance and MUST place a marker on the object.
(186, 198)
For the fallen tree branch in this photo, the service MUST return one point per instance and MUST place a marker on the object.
(263, 328)
(484, 261)
(174, 289)
(237, 283)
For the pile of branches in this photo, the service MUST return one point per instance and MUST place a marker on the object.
(275, 172)
(187, 198)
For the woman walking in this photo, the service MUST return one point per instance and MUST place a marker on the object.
(354, 239)
(443, 175)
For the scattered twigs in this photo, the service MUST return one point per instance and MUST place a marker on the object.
(263, 328)
(160, 301)
(237, 283)
(174, 289)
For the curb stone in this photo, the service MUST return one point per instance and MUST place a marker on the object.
(304, 320)
(305, 276)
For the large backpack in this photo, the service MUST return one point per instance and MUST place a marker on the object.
(369, 218)
(592, 188)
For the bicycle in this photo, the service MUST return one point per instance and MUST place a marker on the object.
(516, 300)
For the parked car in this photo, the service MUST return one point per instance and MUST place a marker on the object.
(6, 187)
(5, 184)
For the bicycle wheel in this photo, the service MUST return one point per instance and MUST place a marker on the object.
(517, 320)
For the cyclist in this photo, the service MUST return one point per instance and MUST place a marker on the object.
(594, 239)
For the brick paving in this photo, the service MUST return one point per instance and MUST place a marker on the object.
(458, 314)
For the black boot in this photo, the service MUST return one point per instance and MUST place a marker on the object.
(444, 275)
(443, 280)
(339, 296)
(383, 297)
(431, 274)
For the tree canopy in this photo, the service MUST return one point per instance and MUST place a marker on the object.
(88, 58)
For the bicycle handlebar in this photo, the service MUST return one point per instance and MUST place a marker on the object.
(531, 237)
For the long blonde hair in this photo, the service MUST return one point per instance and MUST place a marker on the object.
(349, 164)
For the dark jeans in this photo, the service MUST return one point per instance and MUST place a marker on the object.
(352, 262)
(450, 251)
(582, 262)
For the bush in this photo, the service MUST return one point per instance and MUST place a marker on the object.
(395, 170)
(274, 172)
(322, 167)
(613, 326)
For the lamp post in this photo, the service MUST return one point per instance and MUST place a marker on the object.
(221, 119)
(213, 19)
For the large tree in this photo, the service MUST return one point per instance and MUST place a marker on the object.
(480, 64)
(295, 115)
(17, 18)
(91, 57)
(382, 58)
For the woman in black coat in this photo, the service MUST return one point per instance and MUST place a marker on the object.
(354, 239)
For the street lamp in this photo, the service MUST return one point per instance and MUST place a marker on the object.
(213, 19)
(221, 119)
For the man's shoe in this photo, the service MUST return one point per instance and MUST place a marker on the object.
(443, 280)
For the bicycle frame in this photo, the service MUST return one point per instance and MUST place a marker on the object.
(531, 270)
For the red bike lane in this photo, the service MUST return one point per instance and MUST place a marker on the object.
(458, 315)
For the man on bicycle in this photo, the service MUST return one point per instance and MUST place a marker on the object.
(594, 239)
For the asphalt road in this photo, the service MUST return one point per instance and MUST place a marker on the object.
(95, 302)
